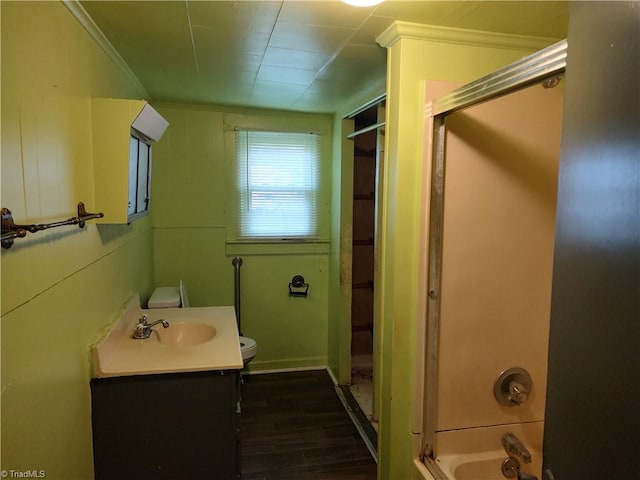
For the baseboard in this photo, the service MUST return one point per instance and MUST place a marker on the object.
(284, 369)
(333, 377)
(334, 380)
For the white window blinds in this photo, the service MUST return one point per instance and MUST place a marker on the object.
(278, 184)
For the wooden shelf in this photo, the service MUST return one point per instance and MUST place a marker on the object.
(361, 242)
(368, 327)
(364, 196)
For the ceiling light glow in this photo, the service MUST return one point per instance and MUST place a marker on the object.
(363, 3)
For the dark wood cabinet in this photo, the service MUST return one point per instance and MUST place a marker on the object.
(167, 426)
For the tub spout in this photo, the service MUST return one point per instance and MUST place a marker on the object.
(515, 448)
(526, 476)
(511, 469)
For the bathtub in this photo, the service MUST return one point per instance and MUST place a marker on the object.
(484, 465)
(477, 454)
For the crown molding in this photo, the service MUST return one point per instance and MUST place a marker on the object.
(85, 20)
(434, 33)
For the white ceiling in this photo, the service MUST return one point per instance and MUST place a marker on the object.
(286, 54)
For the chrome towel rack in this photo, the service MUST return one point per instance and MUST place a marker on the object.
(11, 230)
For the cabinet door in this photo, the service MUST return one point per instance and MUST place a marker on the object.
(165, 427)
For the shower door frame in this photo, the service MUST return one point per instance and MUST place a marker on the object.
(543, 65)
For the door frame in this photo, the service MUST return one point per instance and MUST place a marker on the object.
(379, 127)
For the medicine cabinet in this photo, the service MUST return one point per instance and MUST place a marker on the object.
(123, 134)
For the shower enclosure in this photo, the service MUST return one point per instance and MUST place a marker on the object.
(496, 148)
(590, 416)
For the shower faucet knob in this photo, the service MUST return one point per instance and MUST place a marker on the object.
(517, 393)
(513, 387)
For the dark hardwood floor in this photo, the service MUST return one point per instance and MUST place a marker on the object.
(293, 426)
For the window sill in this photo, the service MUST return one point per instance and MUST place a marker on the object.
(258, 247)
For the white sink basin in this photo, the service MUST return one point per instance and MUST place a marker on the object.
(185, 334)
(197, 339)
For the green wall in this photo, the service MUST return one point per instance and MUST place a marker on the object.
(62, 287)
(193, 231)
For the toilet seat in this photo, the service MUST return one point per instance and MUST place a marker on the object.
(248, 347)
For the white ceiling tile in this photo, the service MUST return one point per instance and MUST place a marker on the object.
(333, 13)
(277, 89)
(330, 89)
(296, 76)
(311, 38)
(231, 64)
(371, 29)
(210, 40)
(275, 94)
(265, 53)
(224, 76)
(427, 12)
(287, 57)
(355, 63)
(242, 16)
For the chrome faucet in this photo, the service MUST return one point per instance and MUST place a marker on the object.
(511, 469)
(143, 330)
(515, 448)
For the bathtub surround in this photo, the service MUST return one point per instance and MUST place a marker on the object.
(476, 453)
(595, 274)
(501, 160)
(500, 190)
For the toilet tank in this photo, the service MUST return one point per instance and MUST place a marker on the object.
(164, 297)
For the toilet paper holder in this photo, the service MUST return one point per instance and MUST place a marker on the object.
(298, 287)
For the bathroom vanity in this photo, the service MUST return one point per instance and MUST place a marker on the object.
(167, 426)
(165, 407)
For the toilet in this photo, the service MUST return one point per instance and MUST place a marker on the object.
(165, 297)
(249, 348)
(172, 297)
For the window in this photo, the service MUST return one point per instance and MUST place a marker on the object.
(278, 185)
(139, 177)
